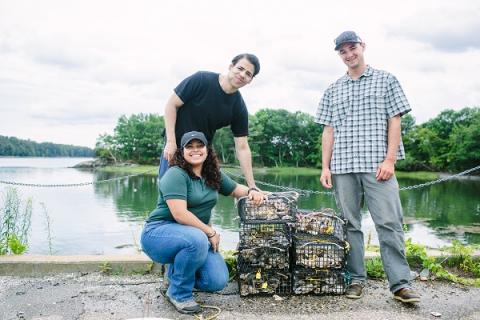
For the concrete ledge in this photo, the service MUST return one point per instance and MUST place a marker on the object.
(32, 265)
(39, 265)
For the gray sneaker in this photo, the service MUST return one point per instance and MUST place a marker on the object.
(186, 307)
(354, 291)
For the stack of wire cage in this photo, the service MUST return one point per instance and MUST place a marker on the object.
(319, 250)
(264, 249)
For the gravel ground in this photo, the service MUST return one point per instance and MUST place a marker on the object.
(96, 296)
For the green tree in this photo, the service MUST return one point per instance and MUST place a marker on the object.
(464, 145)
(138, 137)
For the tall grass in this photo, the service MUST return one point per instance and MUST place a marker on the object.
(15, 218)
(48, 229)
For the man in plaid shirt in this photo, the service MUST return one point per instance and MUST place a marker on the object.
(361, 142)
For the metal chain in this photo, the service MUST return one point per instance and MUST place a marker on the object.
(440, 180)
(309, 192)
(305, 192)
(80, 184)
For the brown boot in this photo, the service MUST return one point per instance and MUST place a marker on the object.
(407, 295)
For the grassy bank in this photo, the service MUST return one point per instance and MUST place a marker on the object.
(292, 171)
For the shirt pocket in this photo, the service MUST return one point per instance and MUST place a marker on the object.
(375, 101)
(340, 109)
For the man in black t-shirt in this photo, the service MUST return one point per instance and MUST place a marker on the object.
(208, 101)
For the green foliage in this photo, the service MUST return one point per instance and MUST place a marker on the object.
(11, 146)
(374, 268)
(15, 218)
(462, 258)
(417, 256)
(449, 142)
(106, 268)
(136, 138)
(279, 138)
(16, 245)
(231, 260)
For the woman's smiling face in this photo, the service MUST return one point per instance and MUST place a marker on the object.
(195, 152)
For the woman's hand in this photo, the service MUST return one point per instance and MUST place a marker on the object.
(214, 240)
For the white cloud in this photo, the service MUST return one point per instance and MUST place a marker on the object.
(69, 69)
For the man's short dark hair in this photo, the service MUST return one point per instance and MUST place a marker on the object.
(251, 58)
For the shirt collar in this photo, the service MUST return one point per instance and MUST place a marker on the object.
(367, 73)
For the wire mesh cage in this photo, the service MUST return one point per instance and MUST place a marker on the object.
(279, 206)
(319, 254)
(265, 234)
(320, 281)
(324, 223)
(263, 257)
(263, 282)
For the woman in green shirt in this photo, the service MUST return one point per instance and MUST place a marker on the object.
(178, 231)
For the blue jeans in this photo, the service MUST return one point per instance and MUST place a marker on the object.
(163, 166)
(383, 202)
(189, 253)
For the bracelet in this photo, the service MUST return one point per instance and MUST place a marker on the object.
(211, 235)
(252, 189)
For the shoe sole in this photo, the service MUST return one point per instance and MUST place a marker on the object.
(411, 300)
(353, 297)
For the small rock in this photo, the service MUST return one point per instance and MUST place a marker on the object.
(424, 274)
(436, 314)
(277, 297)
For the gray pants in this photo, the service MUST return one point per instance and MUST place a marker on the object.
(383, 202)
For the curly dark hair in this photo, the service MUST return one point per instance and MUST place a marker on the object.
(210, 169)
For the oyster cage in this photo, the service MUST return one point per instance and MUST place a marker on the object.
(262, 282)
(265, 234)
(323, 223)
(317, 281)
(279, 206)
(319, 254)
(263, 257)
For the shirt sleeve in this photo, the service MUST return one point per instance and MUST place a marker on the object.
(239, 125)
(324, 110)
(173, 184)
(227, 185)
(189, 87)
(397, 103)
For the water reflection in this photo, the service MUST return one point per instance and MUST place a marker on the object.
(434, 215)
(108, 217)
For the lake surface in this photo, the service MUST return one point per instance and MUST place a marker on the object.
(107, 218)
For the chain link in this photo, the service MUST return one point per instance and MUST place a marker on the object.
(80, 184)
(305, 192)
(309, 192)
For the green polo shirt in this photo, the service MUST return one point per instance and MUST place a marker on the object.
(177, 184)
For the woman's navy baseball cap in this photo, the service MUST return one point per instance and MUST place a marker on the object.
(193, 135)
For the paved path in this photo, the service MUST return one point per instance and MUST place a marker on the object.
(89, 296)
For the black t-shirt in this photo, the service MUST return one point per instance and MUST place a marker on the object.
(207, 107)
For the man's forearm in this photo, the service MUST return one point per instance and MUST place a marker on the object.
(327, 146)
(244, 156)
(170, 118)
(394, 137)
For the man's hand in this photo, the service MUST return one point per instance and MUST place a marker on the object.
(256, 196)
(169, 151)
(385, 170)
(326, 178)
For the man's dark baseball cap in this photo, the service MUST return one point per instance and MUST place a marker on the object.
(346, 37)
(193, 135)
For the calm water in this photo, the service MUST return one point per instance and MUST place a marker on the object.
(108, 218)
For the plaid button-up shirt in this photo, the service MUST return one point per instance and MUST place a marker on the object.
(359, 110)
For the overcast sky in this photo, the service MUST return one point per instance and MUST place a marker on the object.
(70, 69)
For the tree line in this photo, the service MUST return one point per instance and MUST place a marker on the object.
(448, 142)
(14, 147)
